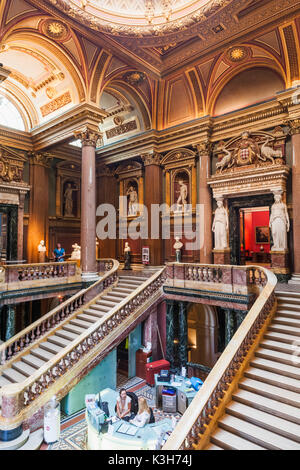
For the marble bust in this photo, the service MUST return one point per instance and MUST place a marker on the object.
(279, 224)
(42, 251)
(220, 226)
(177, 247)
(76, 253)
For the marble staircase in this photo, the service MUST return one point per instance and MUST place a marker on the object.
(264, 412)
(53, 344)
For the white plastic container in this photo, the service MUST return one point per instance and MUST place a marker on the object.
(52, 421)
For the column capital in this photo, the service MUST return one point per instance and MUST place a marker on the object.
(204, 148)
(151, 158)
(294, 126)
(89, 137)
(42, 159)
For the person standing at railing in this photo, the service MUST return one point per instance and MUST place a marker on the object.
(59, 253)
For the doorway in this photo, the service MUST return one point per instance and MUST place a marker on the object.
(249, 236)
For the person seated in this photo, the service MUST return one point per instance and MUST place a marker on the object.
(124, 406)
(143, 416)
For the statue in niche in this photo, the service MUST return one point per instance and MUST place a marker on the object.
(220, 226)
(132, 195)
(177, 247)
(127, 257)
(68, 200)
(279, 224)
(181, 191)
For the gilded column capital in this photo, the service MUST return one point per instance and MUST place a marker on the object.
(204, 148)
(42, 159)
(89, 137)
(294, 126)
(151, 159)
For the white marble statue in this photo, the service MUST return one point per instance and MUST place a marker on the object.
(76, 253)
(279, 224)
(182, 199)
(220, 226)
(41, 247)
(133, 201)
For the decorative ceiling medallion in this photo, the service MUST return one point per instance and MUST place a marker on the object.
(134, 78)
(55, 29)
(118, 120)
(51, 92)
(140, 18)
(237, 54)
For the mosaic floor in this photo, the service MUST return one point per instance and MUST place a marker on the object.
(74, 429)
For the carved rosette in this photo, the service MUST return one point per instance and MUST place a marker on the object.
(89, 137)
(151, 159)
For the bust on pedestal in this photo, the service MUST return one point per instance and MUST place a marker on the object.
(42, 252)
(177, 247)
(127, 257)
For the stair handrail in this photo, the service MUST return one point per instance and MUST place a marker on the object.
(199, 418)
(24, 398)
(43, 325)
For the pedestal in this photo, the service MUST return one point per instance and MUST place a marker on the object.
(42, 257)
(222, 256)
(280, 264)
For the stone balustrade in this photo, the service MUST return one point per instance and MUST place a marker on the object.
(41, 327)
(33, 272)
(19, 401)
(209, 404)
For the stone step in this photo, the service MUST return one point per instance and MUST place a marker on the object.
(279, 328)
(73, 329)
(275, 356)
(42, 354)
(33, 361)
(139, 279)
(273, 379)
(288, 295)
(81, 323)
(51, 347)
(132, 287)
(276, 367)
(94, 313)
(286, 321)
(99, 306)
(114, 297)
(212, 446)
(289, 306)
(278, 346)
(264, 420)
(289, 314)
(229, 441)
(66, 334)
(281, 337)
(108, 303)
(256, 434)
(16, 443)
(4, 381)
(34, 441)
(86, 317)
(259, 402)
(270, 391)
(23, 368)
(121, 290)
(13, 375)
(59, 341)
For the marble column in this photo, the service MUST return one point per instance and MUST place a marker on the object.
(38, 228)
(89, 139)
(229, 325)
(21, 224)
(10, 329)
(295, 132)
(205, 199)
(183, 334)
(153, 195)
(240, 317)
(170, 321)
